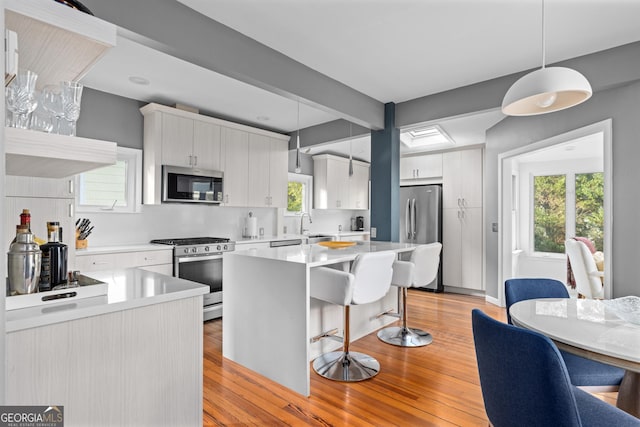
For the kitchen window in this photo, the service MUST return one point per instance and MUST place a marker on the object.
(114, 188)
(299, 194)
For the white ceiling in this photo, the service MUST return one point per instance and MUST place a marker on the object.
(391, 50)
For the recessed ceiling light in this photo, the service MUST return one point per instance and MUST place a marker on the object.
(139, 80)
(263, 118)
(427, 136)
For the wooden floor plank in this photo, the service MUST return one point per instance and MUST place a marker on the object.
(435, 385)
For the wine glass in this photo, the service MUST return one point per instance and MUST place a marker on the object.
(41, 118)
(20, 98)
(71, 97)
(52, 103)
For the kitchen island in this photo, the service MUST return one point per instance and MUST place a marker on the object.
(130, 357)
(269, 317)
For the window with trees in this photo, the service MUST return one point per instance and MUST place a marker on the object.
(299, 194)
(566, 206)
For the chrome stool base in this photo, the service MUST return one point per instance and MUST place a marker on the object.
(350, 367)
(405, 337)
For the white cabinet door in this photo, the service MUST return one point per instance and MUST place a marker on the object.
(462, 179)
(177, 140)
(235, 144)
(259, 159)
(451, 248)
(471, 183)
(24, 186)
(359, 187)
(471, 249)
(206, 146)
(278, 173)
(337, 184)
(421, 167)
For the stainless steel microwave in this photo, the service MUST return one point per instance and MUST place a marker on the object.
(185, 185)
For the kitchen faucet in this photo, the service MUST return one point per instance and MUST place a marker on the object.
(302, 230)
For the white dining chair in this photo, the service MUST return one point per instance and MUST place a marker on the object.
(587, 276)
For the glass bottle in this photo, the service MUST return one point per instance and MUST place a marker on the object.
(54, 260)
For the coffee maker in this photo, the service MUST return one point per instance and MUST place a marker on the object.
(359, 223)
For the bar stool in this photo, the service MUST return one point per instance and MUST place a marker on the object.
(368, 280)
(419, 271)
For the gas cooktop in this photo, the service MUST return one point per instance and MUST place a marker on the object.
(189, 241)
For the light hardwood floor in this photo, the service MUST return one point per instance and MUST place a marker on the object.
(436, 385)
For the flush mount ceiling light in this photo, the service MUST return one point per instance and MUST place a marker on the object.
(546, 90)
(429, 136)
(298, 168)
(139, 80)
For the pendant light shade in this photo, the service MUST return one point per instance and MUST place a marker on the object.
(298, 167)
(546, 90)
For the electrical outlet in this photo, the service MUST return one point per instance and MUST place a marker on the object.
(373, 232)
(494, 227)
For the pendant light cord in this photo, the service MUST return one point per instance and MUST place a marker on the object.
(298, 132)
(543, 38)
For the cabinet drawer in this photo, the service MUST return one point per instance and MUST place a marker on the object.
(151, 257)
(96, 262)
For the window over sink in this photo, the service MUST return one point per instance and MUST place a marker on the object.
(299, 194)
(113, 188)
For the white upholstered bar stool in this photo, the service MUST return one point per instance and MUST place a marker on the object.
(368, 280)
(420, 270)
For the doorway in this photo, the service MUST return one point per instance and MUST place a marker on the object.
(568, 157)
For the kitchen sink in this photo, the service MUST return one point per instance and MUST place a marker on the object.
(315, 238)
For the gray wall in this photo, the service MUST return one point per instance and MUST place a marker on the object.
(622, 104)
(111, 118)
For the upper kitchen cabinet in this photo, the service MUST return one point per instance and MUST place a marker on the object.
(254, 161)
(416, 169)
(462, 179)
(334, 188)
(267, 171)
(58, 43)
(55, 41)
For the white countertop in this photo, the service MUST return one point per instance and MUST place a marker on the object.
(128, 288)
(317, 255)
(266, 239)
(122, 248)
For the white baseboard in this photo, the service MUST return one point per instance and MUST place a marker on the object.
(492, 300)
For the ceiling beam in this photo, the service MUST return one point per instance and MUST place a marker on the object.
(179, 31)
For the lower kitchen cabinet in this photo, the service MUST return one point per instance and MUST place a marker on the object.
(462, 248)
(139, 366)
(159, 261)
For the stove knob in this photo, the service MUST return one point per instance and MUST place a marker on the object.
(186, 250)
(206, 248)
(225, 247)
(194, 250)
(218, 248)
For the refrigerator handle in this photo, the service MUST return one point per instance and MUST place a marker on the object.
(407, 219)
(413, 219)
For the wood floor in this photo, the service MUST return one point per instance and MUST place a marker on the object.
(436, 385)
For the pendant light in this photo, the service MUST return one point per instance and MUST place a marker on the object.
(546, 90)
(350, 152)
(298, 168)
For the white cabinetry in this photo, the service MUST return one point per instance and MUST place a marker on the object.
(462, 175)
(254, 161)
(159, 261)
(334, 188)
(421, 167)
(189, 143)
(267, 172)
(57, 43)
(235, 145)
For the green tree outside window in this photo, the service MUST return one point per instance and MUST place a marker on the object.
(295, 196)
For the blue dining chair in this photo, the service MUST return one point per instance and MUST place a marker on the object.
(583, 372)
(525, 382)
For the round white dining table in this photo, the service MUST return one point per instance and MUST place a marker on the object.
(589, 329)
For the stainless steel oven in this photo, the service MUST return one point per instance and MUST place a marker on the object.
(199, 259)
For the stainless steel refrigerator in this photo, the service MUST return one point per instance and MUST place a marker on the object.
(421, 220)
